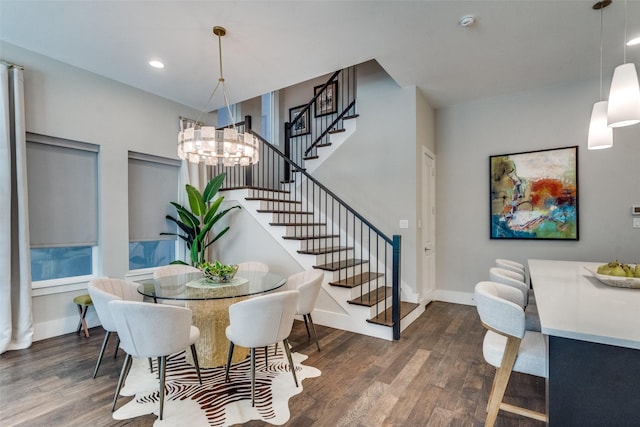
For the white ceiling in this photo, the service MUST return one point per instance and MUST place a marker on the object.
(514, 45)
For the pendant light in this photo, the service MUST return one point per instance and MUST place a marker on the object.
(211, 146)
(600, 135)
(624, 95)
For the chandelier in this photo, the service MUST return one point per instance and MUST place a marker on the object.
(212, 146)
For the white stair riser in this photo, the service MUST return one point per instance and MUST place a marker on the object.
(304, 230)
(334, 256)
(348, 272)
(311, 244)
(279, 206)
(291, 218)
(266, 194)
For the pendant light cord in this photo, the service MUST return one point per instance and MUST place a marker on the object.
(624, 42)
(601, 43)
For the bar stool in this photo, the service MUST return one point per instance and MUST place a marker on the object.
(83, 302)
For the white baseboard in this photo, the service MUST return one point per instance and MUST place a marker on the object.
(465, 298)
(66, 325)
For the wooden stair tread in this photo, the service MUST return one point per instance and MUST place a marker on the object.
(353, 116)
(334, 266)
(275, 211)
(384, 318)
(267, 199)
(317, 236)
(357, 280)
(325, 250)
(372, 298)
(288, 224)
(326, 144)
(311, 157)
(337, 130)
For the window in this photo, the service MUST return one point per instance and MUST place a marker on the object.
(153, 184)
(62, 179)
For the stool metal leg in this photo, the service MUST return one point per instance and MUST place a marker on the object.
(82, 324)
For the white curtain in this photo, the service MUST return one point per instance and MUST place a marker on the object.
(16, 319)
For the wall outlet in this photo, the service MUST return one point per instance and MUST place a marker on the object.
(404, 223)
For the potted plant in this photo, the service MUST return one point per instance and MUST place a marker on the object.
(196, 223)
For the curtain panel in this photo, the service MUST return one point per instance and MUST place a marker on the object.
(16, 318)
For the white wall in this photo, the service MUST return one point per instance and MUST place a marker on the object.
(66, 102)
(467, 134)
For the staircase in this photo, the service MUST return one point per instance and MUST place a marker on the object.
(362, 265)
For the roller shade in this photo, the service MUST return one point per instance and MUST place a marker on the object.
(62, 180)
(153, 183)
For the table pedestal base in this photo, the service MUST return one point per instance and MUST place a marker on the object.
(212, 318)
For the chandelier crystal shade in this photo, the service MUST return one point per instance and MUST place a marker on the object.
(211, 146)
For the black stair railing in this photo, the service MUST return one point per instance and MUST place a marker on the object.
(311, 127)
(327, 227)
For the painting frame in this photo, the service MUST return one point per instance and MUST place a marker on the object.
(327, 102)
(302, 126)
(533, 195)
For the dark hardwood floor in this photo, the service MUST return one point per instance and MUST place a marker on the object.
(434, 376)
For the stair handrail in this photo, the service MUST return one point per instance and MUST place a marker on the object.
(315, 143)
(395, 242)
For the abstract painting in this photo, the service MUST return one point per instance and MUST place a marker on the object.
(534, 195)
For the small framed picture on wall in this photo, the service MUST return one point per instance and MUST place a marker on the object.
(301, 126)
(327, 101)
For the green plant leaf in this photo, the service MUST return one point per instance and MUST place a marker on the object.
(213, 209)
(212, 187)
(189, 219)
(196, 203)
(224, 212)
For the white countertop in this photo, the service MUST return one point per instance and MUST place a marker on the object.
(574, 304)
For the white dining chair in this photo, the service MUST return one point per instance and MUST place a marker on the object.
(513, 266)
(507, 345)
(173, 270)
(260, 322)
(102, 291)
(500, 275)
(253, 266)
(308, 283)
(149, 330)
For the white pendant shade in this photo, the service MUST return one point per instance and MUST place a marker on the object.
(624, 97)
(600, 135)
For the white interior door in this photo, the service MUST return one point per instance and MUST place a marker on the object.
(428, 226)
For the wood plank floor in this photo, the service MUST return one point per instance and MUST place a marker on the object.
(434, 376)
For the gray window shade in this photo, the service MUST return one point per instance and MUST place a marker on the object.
(153, 183)
(62, 177)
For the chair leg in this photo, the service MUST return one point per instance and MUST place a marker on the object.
(229, 356)
(115, 353)
(123, 375)
(252, 351)
(285, 344)
(82, 324)
(104, 345)
(266, 355)
(163, 374)
(306, 325)
(150, 365)
(313, 328)
(502, 379)
(194, 354)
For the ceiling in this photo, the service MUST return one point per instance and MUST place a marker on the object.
(514, 45)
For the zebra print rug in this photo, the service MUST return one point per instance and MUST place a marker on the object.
(214, 403)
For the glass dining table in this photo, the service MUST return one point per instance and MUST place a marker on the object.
(209, 302)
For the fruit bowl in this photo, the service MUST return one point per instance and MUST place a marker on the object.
(616, 281)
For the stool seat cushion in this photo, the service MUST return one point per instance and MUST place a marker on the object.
(531, 355)
(83, 300)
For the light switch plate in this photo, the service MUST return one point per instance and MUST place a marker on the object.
(636, 222)
(404, 223)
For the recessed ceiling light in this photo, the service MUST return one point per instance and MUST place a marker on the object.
(156, 64)
(466, 20)
(634, 42)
